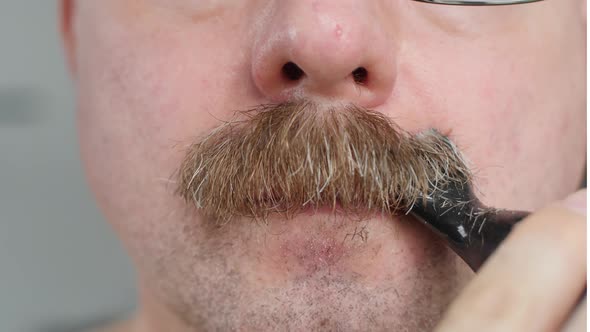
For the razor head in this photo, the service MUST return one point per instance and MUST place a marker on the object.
(471, 229)
(451, 209)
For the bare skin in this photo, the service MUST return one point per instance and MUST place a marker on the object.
(507, 84)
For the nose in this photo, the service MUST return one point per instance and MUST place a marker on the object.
(335, 49)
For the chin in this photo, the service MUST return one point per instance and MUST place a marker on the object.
(319, 270)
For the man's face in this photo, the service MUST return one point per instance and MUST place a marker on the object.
(506, 84)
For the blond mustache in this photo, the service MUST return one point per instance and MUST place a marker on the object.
(288, 157)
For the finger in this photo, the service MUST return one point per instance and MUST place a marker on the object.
(534, 278)
(577, 321)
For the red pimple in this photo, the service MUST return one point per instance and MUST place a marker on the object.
(315, 5)
(338, 31)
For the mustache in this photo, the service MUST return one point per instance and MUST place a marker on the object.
(284, 158)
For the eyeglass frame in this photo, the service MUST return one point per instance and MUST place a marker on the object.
(478, 2)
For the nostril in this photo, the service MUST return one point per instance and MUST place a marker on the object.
(292, 72)
(360, 75)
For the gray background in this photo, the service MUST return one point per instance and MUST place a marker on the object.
(60, 263)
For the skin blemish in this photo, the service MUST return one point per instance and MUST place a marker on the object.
(315, 254)
(315, 5)
(338, 31)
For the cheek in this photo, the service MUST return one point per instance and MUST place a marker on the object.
(529, 145)
(522, 131)
(515, 109)
(143, 95)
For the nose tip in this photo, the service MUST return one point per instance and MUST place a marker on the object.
(335, 54)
